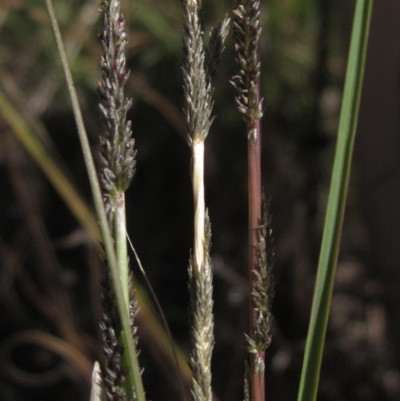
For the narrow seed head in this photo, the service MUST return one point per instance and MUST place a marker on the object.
(246, 33)
(114, 370)
(202, 322)
(114, 374)
(199, 68)
(197, 88)
(117, 145)
(263, 292)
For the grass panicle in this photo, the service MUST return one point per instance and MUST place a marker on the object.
(202, 323)
(110, 327)
(246, 33)
(197, 85)
(263, 293)
(199, 68)
(117, 144)
(114, 371)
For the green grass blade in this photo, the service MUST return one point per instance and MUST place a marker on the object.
(134, 373)
(336, 203)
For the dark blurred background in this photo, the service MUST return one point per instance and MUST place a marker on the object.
(49, 265)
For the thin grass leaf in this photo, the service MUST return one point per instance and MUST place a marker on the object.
(336, 203)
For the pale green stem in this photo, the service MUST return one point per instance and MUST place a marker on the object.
(133, 376)
(199, 204)
(121, 246)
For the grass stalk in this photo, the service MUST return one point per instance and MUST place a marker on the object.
(199, 68)
(257, 386)
(198, 114)
(336, 203)
(199, 204)
(121, 243)
(247, 31)
(136, 390)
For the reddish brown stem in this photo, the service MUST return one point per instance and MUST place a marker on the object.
(255, 200)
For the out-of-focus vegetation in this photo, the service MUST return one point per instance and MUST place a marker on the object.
(49, 266)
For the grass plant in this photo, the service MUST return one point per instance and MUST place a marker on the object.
(133, 386)
(199, 69)
(121, 376)
(247, 33)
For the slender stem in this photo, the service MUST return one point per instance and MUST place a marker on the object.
(201, 284)
(121, 250)
(198, 70)
(121, 246)
(134, 374)
(257, 386)
(199, 204)
(247, 31)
